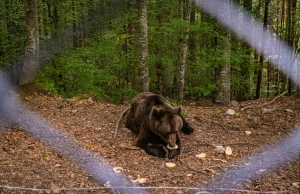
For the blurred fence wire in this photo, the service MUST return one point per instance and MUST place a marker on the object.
(267, 43)
(12, 111)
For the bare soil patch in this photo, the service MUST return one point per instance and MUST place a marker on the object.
(26, 162)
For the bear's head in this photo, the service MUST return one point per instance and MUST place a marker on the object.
(166, 122)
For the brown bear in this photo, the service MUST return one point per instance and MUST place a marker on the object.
(157, 123)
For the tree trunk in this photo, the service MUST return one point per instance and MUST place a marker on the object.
(192, 39)
(223, 71)
(143, 36)
(183, 47)
(245, 94)
(31, 60)
(295, 38)
(261, 58)
(223, 74)
(291, 19)
(277, 79)
(282, 78)
(74, 28)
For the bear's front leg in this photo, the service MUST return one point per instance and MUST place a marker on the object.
(176, 152)
(153, 148)
(186, 128)
(158, 150)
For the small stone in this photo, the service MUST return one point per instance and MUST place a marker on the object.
(234, 103)
(230, 112)
(170, 164)
(107, 184)
(141, 180)
(296, 184)
(118, 169)
(126, 130)
(261, 170)
(220, 150)
(228, 151)
(248, 132)
(189, 175)
(289, 110)
(201, 156)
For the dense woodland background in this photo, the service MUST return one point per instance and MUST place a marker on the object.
(111, 49)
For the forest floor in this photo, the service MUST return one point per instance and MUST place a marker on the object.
(26, 162)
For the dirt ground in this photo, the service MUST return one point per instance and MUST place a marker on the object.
(26, 162)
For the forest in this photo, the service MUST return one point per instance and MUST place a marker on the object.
(113, 49)
(68, 70)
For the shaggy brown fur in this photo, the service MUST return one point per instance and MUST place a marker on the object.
(157, 123)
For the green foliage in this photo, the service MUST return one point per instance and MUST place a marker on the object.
(93, 71)
(106, 64)
(69, 76)
(242, 71)
(103, 65)
(12, 32)
(185, 113)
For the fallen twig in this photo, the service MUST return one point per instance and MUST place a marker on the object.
(223, 125)
(150, 187)
(234, 143)
(130, 147)
(225, 144)
(163, 179)
(187, 150)
(265, 104)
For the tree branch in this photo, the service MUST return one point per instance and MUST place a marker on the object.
(265, 104)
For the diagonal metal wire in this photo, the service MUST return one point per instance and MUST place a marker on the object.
(14, 112)
(285, 59)
(250, 30)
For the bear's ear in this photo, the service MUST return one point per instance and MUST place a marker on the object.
(179, 109)
(156, 112)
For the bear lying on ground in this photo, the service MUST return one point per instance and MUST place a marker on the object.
(157, 123)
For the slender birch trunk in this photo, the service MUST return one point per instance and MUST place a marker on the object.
(144, 69)
(31, 60)
(183, 47)
(224, 71)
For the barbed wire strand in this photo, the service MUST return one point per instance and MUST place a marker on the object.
(149, 187)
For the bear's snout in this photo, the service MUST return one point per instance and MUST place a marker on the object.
(172, 144)
(171, 140)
